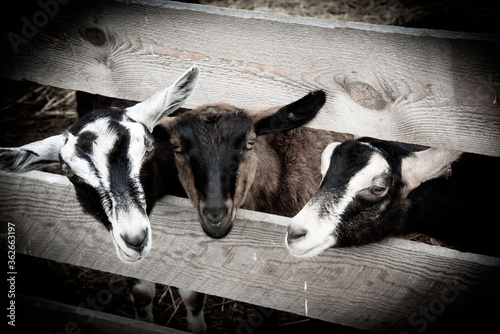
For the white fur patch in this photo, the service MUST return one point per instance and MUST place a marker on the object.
(326, 157)
(195, 323)
(425, 165)
(77, 165)
(143, 291)
(160, 104)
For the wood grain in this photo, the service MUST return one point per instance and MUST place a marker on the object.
(420, 86)
(393, 286)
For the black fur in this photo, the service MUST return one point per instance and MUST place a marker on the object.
(293, 115)
(460, 211)
(214, 146)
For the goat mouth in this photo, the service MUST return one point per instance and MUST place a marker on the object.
(216, 232)
(122, 255)
(128, 258)
(222, 228)
(300, 252)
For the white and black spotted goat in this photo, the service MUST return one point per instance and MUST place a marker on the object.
(372, 189)
(120, 163)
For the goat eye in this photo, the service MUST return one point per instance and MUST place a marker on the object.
(250, 144)
(73, 177)
(150, 148)
(177, 149)
(376, 190)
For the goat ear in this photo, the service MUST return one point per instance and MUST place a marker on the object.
(425, 165)
(290, 116)
(165, 102)
(31, 156)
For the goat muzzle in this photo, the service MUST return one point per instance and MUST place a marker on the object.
(216, 220)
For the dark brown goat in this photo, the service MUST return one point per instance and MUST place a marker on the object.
(255, 159)
(260, 160)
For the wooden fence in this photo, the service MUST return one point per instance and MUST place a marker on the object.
(419, 86)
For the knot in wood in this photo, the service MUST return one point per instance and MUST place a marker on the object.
(94, 36)
(366, 95)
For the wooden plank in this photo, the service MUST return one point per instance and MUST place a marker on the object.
(38, 315)
(421, 86)
(393, 286)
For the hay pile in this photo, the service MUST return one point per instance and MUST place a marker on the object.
(378, 12)
(30, 112)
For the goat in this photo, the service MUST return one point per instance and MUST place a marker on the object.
(120, 164)
(261, 160)
(372, 189)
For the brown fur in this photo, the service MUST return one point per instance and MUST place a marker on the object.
(281, 173)
(288, 171)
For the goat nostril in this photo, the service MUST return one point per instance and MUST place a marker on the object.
(295, 234)
(214, 215)
(136, 242)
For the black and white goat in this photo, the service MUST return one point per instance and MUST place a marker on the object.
(372, 189)
(120, 163)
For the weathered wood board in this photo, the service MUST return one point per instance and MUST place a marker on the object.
(393, 286)
(420, 86)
